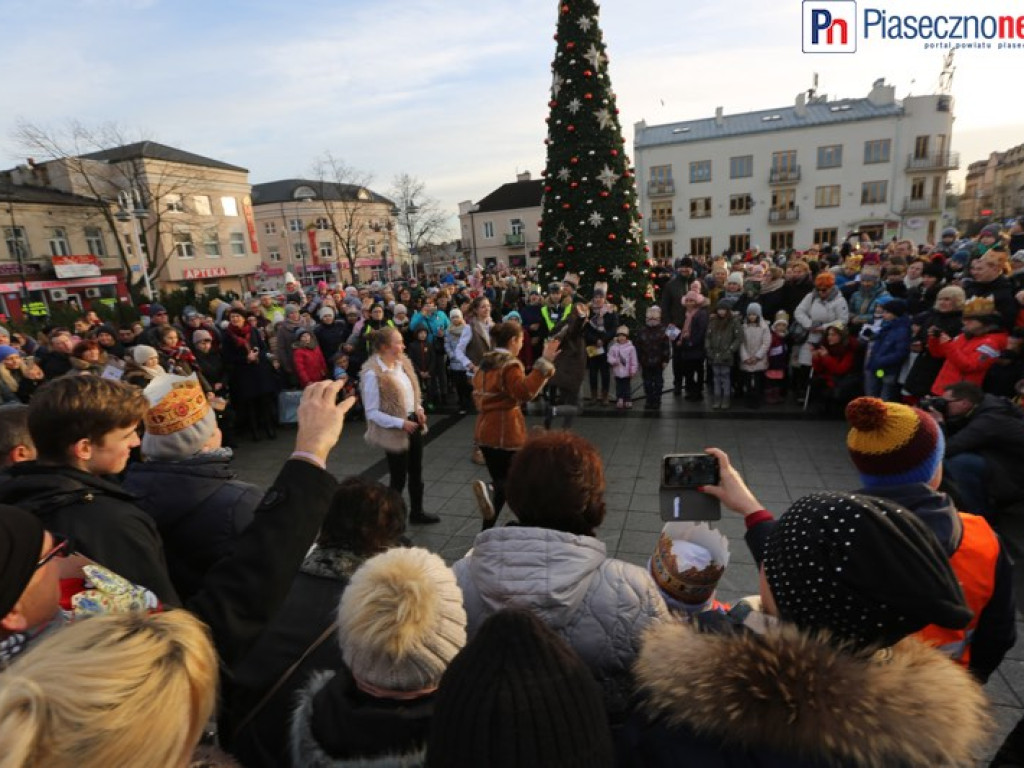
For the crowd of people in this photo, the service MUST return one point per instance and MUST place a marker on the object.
(155, 610)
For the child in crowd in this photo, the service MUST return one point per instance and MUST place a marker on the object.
(310, 366)
(721, 345)
(421, 353)
(778, 360)
(653, 353)
(754, 347)
(623, 360)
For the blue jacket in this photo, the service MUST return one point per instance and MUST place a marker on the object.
(890, 347)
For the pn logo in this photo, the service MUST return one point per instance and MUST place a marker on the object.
(830, 26)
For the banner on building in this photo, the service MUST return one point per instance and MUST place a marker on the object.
(85, 265)
(250, 224)
(204, 273)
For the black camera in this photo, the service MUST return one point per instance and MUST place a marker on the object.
(937, 404)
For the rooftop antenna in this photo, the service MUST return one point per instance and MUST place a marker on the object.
(814, 89)
(946, 76)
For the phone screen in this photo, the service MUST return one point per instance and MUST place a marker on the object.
(689, 471)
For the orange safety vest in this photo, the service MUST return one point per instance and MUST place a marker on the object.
(974, 564)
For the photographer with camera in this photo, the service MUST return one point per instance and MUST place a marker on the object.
(984, 446)
(969, 356)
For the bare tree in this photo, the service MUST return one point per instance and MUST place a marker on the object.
(348, 205)
(157, 184)
(421, 220)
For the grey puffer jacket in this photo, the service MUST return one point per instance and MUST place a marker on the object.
(599, 605)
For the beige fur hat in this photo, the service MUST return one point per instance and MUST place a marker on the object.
(401, 620)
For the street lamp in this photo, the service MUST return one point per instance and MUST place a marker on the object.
(133, 200)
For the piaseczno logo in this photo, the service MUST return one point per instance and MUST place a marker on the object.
(829, 26)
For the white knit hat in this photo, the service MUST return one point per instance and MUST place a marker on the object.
(401, 620)
(141, 353)
(179, 421)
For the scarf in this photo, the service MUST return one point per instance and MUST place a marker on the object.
(688, 320)
(240, 336)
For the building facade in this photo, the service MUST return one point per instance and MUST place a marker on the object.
(502, 228)
(58, 251)
(320, 230)
(993, 190)
(794, 176)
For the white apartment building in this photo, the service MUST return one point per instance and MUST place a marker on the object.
(789, 177)
(502, 227)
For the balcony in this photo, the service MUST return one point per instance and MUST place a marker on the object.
(922, 206)
(515, 241)
(661, 188)
(937, 161)
(662, 226)
(784, 175)
(783, 215)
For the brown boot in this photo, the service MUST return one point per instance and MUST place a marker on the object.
(478, 456)
(604, 398)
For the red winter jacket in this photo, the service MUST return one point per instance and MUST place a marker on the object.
(966, 359)
(310, 365)
(834, 366)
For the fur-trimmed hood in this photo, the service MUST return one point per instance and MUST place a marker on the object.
(791, 693)
(497, 358)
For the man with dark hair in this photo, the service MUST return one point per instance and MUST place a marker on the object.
(984, 447)
(56, 360)
(16, 443)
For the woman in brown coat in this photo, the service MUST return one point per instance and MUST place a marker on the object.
(500, 387)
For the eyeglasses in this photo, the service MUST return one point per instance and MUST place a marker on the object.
(62, 547)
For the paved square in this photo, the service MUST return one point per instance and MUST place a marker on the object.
(781, 460)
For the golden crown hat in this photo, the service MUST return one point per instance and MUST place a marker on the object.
(980, 306)
(176, 403)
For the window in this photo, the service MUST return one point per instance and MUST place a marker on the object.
(784, 200)
(59, 245)
(94, 242)
(661, 249)
(301, 249)
(741, 167)
(270, 227)
(17, 245)
(183, 244)
(323, 224)
(873, 192)
(174, 203)
(371, 247)
(295, 225)
(202, 205)
(784, 167)
(921, 147)
(661, 211)
(700, 171)
(826, 237)
(877, 151)
(274, 255)
(488, 229)
(326, 250)
(781, 241)
(236, 241)
(211, 244)
(700, 207)
(827, 197)
(830, 156)
(516, 227)
(740, 205)
(700, 246)
(661, 174)
(739, 243)
(230, 206)
(917, 186)
(129, 246)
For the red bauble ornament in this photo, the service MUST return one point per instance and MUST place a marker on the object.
(570, 45)
(647, 249)
(611, 235)
(552, 103)
(632, 265)
(565, 8)
(547, 188)
(587, 73)
(601, 270)
(540, 246)
(566, 206)
(617, 112)
(625, 206)
(573, 160)
(571, 248)
(615, 153)
(560, 265)
(573, 184)
(639, 215)
(570, 128)
(610, 296)
(588, 96)
(604, 193)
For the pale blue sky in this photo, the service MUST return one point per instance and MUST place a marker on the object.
(452, 91)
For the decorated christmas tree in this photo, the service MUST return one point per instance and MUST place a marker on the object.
(590, 224)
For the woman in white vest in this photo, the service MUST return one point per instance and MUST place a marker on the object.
(395, 419)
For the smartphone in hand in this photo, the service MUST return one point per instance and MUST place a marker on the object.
(681, 475)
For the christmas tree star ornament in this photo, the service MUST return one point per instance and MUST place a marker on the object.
(618, 273)
(629, 307)
(574, 106)
(585, 23)
(556, 85)
(604, 118)
(563, 174)
(596, 219)
(608, 177)
(594, 56)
